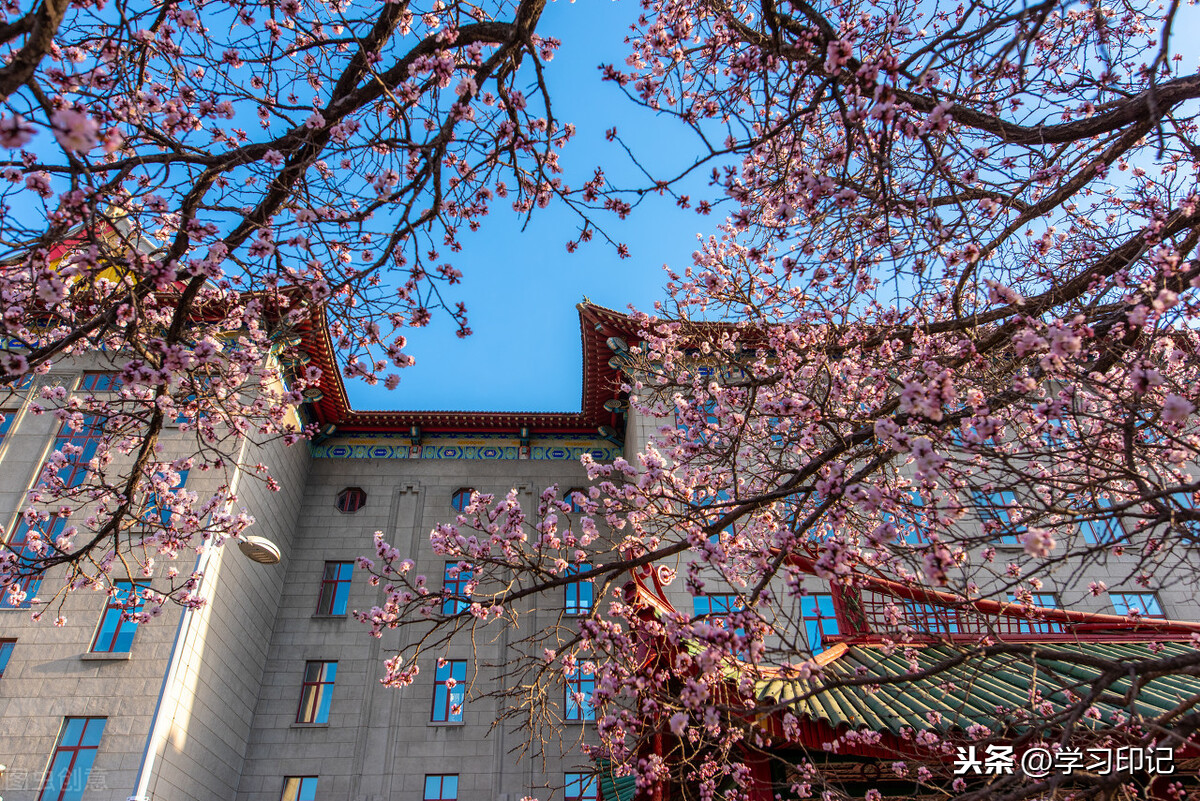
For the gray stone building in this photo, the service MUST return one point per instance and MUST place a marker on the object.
(271, 692)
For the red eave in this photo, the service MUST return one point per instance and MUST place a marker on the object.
(601, 382)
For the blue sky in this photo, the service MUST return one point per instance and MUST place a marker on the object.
(521, 286)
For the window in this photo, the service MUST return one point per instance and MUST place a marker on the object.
(81, 447)
(913, 529)
(457, 598)
(316, 692)
(716, 604)
(579, 594)
(162, 508)
(461, 498)
(569, 497)
(71, 763)
(351, 499)
(8, 415)
(335, 588)
(820, 621)
(1104, 531)
(1043, 600)
(100, 382)
(1137, 604)
(995, 510)
(441, 787)
(580, 688)
(300, 788)
(6, 649)
(580, 787)
(449, 691)
(115, 634)
(28, 586)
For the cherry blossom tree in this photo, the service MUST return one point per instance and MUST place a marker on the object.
(188, 186)
(942, 353)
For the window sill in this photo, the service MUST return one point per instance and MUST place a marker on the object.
(310, 725)
(319, 616)
(103, 656)
(447, 723)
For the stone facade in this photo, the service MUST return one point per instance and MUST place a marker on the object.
(204, 706)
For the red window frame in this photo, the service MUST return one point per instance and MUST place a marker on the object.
(335, 588)
(461, 497)
(65, 790)
(88, 437)
(454, 586)
(577, 705)
(350, 500)
(316, 691)
(569, 497)
(580, 787)
(449, 670)
(442, 792)
(100, 382)
(7, 646)
(299, 788)
(124, 600)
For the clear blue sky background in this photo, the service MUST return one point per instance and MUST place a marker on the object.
(521, 286)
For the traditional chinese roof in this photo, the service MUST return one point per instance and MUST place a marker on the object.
(988, 689)
(601, 383)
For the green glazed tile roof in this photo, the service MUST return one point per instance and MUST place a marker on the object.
(613, 787)
(973, 691)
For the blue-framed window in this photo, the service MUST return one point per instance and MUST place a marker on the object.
(580, 688)
(454, 585)
(316, 692)
(820, 620)
(580, 787)
(299, 788)
(580, 594)
(449, 691)
(115, 633)
(995, 511)
(6, 651)
(461, 497)
(335, 588)
(441, 787)
(71, 764)
(1144, 604)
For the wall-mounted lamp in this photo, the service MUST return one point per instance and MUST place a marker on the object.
(260, 549)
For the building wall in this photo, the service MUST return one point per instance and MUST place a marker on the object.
(52, 675)
(379, 742)
(229, 713)
(210, 701)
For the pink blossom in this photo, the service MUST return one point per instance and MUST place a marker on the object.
(15, 131)
(1038, 542)
(1176, 408)
(74, 129)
